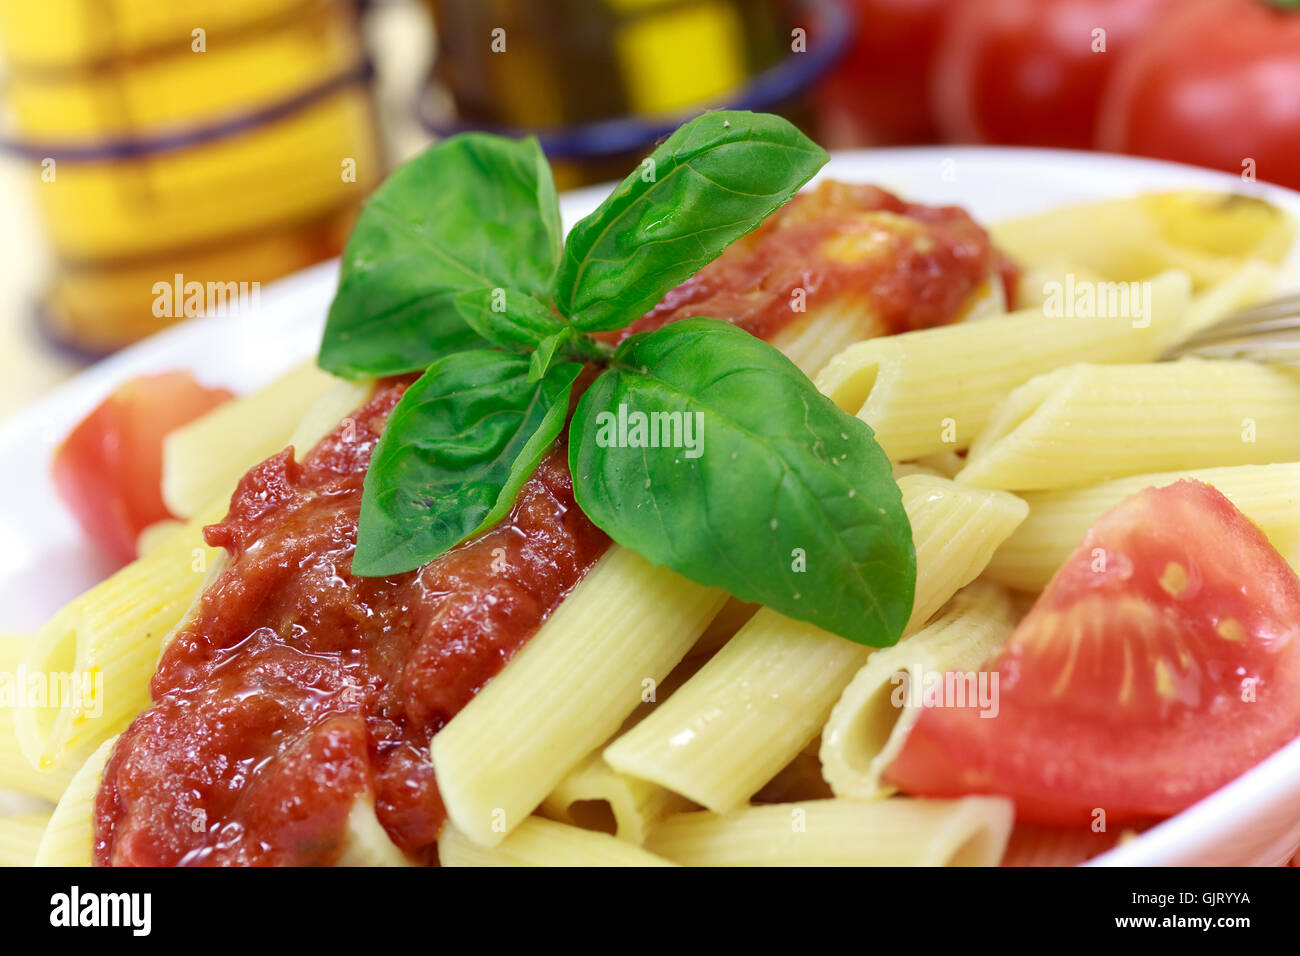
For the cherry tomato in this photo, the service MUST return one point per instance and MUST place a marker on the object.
(109, 469)
(879, 95)
(1032, 72)
(1217, 85)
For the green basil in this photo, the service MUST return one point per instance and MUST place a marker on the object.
(759, 484)
(453, 455)
(548, 350)
(711, 182)
(474, 212)
(699, 446)
(508, 318)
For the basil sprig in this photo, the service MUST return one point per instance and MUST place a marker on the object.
(768, 469)
(711, 182)
(698, 445)
(455, 451)
(474, 213)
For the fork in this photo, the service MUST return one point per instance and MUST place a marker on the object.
(1268, 331)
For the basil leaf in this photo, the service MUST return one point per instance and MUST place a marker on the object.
(475, 211)
(544, 356)
(455, 451)
(711, 182)
(761, 472)
(510, 319)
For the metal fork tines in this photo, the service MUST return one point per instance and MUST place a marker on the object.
(1267, 331)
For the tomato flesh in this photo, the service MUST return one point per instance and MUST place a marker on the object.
(1161, 662)
(109, 469)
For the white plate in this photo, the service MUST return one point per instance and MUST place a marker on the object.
(44, 561)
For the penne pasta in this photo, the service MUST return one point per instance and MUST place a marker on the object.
(16, 771)
(20, 837)
(1206, 234)
(747, 713)
(97, 654)
(539, 842)
(567, 691)
(1267, 494)
(69, 838)
(871, 720)
(811, 341)
(594, 796)
(204, 460)
(932, 391)
(1056, 846)
(1076, 426)
(366, 843)
(902, 831)
(1251, 281)
(329, 410)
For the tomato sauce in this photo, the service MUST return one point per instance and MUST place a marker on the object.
(913, 266)
(299, 688)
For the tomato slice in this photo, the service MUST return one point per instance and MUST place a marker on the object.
(109, 469)
(1162, 660)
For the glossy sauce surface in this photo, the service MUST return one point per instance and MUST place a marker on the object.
(913, 266)
(298, 689)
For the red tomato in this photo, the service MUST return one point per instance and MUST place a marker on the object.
(1162, 661)
(1031, 72)
(109, 470)
(1217, 85)
(879, 95)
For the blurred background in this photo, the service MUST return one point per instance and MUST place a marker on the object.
(146, 145)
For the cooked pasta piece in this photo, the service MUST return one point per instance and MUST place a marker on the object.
(69, 838)
(1056, 846)
(767, 693)
(1089, 423)
(366, 843)
(813, 340)
(1250, 282)
(594, 796)
(158, 533)
(567, 691)
(901, 831)
(1206, 234)
(16, 691)
(101, 649)
(206, 458)
(872, 718)
(1038, 282)
(327, 412)
(1267, 494)
(933, 391)
(539, 842)
(20, 837)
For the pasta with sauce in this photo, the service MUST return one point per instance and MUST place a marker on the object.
(542, 696)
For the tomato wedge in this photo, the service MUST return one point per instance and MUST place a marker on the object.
(109, 469)
(1162, 660)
